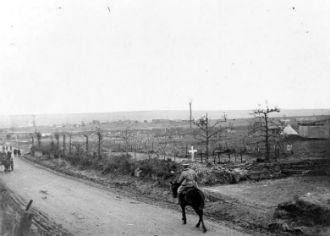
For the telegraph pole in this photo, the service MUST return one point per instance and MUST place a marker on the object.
(190, 113)
(34, 122)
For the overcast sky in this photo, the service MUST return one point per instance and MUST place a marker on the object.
(99, 55)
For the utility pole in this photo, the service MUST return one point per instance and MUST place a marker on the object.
(34, 122)
(190, 114)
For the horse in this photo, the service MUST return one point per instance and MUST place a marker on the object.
(5, 161)
(191, 197)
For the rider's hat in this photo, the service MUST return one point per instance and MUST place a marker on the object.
(185, 164)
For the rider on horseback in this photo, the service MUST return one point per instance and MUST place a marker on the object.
(187, 179)
(189, 194)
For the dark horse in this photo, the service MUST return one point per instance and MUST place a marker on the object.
(191, 197)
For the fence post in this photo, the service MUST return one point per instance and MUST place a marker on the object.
(64, 145)
(70, 144)
(213, 157)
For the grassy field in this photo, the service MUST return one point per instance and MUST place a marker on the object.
(269, 193)
(252, 204)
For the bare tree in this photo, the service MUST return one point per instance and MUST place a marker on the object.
(70, 143)
(78, 150)
(126, 136)
(64, 145)
(264, 129)
(208, 132)
(86, 142)
(163, 143)
(52, 147)
(57, 138)
(99, 142)
(175, 150)
(150, 146)
(38, 135)
(32, 147)
(32, 140)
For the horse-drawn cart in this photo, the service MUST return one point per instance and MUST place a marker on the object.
(7, 161)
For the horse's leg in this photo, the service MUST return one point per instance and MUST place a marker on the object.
(201, 219)
(198, 213)
(184, 220)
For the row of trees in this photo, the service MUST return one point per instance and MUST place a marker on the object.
(127, 137)
(263, 130)
(55, 143)
(207, 133)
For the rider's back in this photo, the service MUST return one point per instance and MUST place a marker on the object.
(188, 178)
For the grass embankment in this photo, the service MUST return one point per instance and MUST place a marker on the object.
(9, 213)
(15, 221)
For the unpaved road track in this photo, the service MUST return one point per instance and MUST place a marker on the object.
(84, 209)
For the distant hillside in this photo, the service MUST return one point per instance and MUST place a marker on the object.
(50, 119)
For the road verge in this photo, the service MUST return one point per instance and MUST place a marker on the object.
(15, 220)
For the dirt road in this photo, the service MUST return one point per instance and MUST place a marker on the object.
(85, 209)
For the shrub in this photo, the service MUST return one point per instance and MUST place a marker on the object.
(87, 161)
(119, 164)
(156, 168)
(150, 168)
(73, 159)
(45, 148)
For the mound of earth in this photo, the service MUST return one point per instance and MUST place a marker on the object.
(308, 215)
(211, 174)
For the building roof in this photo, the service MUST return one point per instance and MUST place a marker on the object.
(288, 130)
(315, 123)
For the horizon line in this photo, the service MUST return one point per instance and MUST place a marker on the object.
(161, 110)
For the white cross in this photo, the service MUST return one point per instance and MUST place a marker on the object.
(192, 151)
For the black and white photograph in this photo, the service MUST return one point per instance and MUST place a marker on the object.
(164, 117)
